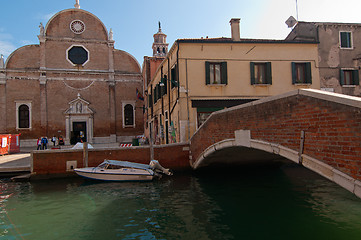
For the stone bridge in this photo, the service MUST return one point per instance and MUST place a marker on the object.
(318, 129)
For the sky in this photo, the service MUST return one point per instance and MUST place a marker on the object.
(135, 21)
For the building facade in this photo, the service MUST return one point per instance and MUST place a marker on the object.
(151, 64)
(339, 51)
(73, 84)
(199, 76)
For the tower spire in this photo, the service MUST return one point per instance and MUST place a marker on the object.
(160, 45)
(77, 5)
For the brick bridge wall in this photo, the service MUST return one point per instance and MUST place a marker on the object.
(53, 163)
(332, 125)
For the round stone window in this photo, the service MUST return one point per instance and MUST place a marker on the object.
(77, 26)
(78, 55)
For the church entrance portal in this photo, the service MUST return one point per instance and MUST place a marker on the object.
(79, 132)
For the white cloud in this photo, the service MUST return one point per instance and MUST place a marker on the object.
(6, 48)
(45, 17)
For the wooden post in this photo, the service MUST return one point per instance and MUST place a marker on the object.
(302, 142)
(151, 142)
(85, 154)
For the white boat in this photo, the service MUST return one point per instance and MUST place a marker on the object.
(113, 170)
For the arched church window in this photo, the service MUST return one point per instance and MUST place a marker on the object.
(158, 50)
(128, 115)
(163, 50)
(24, 116)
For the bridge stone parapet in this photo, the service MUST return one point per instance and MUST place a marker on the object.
(318, 129)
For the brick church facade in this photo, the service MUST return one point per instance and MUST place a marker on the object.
(73, 84)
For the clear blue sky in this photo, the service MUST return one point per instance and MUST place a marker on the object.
(134, 22)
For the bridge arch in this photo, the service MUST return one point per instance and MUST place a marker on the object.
(265, 151)
(317, 129)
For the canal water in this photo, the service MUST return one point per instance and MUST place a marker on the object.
(274, 202)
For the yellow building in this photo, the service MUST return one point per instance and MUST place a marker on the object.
(199, 76)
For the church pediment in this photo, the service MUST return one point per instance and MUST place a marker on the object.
(79, 106)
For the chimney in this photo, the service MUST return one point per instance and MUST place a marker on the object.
(236, 36)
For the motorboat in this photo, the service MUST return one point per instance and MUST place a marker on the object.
(114, 170)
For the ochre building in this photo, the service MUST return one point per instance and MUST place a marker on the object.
(73, 84)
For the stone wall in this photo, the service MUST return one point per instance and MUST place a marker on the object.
(54, 163)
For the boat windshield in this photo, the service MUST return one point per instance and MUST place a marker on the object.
(110, 166)
(103, 165)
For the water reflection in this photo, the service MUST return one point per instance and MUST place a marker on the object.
(286, 202)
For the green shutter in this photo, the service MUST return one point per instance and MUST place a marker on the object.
(150, 100)
(174, 79)
(355, 77)
(224, 73)
(268, 73)
(345, 39)
(159, 92)
(207, 73)
(154, 95)
(342, 78)
(253, 80)
(293, 67)
(308, 73)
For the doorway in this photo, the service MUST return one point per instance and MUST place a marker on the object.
(79, 133)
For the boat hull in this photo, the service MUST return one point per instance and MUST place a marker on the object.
(116, 175)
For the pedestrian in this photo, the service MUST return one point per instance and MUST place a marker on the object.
(53, 139)
(44, 143)
(39, 144)
(61, 140)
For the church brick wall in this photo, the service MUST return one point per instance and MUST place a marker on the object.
(42, 76)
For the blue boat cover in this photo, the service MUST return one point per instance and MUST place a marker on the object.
(127, 164)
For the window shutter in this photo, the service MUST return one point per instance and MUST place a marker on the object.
(155, 94)
(308, 73)
(268, 73)
(150, 100)
(293, 66)
(159, 91)
(253, 80)
(342, 77)
(345, 39)
(224, 73)
(207, 73)
(355, 77)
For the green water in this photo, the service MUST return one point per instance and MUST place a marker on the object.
(287, 202)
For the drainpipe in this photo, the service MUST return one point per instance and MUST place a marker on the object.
(168, 91)
(189, 130)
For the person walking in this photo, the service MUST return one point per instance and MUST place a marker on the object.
(53, 139)
(39, 143)
(44, 143)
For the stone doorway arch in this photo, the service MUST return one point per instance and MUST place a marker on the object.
(79, 121)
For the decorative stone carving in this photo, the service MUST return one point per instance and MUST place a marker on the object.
(79, 106)
(42, 30)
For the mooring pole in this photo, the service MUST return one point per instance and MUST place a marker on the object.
(85, 154)
(302, 142)
(151, 142)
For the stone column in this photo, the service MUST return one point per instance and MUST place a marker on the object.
(43, 104)
(112, 97)
(42, 81)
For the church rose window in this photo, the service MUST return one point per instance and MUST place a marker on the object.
(78, 55)
(77, 26)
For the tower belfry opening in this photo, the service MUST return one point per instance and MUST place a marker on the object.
(160, 45)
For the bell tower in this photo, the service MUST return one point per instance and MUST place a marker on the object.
(160, 45)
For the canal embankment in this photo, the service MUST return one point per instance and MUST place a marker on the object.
(55, 163)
